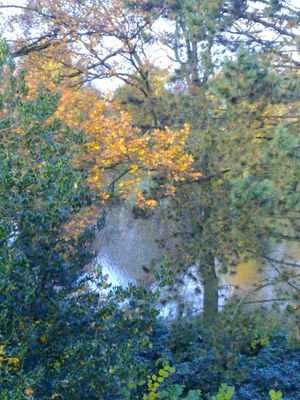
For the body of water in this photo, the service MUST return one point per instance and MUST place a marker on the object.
(128, 248)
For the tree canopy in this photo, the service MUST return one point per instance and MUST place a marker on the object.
(212, 140)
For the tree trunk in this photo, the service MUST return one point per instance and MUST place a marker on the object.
(210, 286)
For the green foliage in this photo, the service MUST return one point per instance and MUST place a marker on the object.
(249, 352)
(164, 274)
(59, 339)
(249, 189)
(275, 395)
(242, 108)
(216, 351)
(73, 343)
(225, 393)
(155, 381)
(262, 341)
(175, 392)
(247, 76)
(37, 196)
(283, 141)
(4, 53)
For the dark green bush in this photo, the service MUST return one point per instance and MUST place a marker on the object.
(251, 353)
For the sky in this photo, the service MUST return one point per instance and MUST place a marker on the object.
(158, 54)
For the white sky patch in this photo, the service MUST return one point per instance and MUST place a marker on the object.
(5, 29)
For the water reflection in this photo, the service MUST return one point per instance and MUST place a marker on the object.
(127, 248)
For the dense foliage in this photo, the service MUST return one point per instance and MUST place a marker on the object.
(243, 353)
(55, 334)
(212, 140)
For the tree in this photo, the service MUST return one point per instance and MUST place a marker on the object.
(234, 89)
(87, 29)
(249, 181)
(58, 337)
(230, 103)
